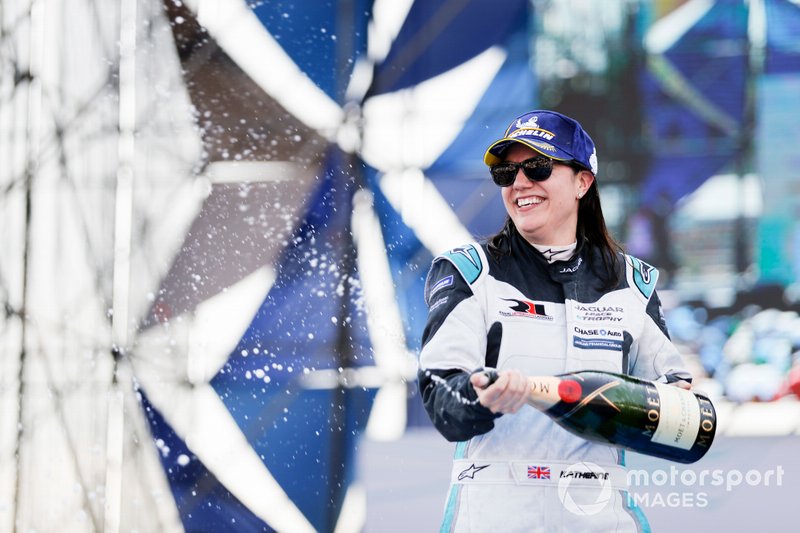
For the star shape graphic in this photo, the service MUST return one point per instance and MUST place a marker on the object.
(471, 471)
(550, 253)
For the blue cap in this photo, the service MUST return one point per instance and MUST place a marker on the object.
(549, 133)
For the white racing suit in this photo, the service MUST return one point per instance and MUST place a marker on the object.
(523, 472)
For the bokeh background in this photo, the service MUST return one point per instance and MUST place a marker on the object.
(216, 218)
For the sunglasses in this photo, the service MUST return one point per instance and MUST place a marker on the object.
(535, 169)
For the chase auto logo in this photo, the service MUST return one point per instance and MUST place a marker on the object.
(525, 308)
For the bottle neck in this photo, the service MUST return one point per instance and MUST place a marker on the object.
(543, 391)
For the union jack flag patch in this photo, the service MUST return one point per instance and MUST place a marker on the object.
(538, 472)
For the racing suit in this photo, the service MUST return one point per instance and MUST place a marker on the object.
(523, 472)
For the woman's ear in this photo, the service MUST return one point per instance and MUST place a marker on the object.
(585, 180)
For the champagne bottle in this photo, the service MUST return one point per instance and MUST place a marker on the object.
(643, 416)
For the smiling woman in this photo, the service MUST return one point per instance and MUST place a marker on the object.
(550, 293)
(544, 211)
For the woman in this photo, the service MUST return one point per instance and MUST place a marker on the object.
(550, 293)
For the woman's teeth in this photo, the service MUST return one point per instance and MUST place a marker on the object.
(530, 200)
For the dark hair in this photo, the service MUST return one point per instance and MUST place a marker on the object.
(591, 228)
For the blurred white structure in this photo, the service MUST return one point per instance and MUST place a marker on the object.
(95, 147)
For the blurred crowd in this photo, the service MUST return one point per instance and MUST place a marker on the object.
(749, 355)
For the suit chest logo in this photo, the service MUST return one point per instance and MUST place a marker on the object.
(598, 313)
(597, 338)
(524, 308)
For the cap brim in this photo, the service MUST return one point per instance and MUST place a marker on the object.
(491, 156)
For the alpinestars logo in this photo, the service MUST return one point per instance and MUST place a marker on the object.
(550, 253)
(470, 472)
(526, 308)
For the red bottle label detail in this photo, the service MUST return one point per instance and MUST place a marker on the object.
(569, 391)
(678, 417)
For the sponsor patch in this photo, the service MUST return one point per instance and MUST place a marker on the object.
(599, 332)
(525, 308)
(441, 284)
(597, 344)
(438, 303)
(599, 313)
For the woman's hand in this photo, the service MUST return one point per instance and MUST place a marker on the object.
(506, 395)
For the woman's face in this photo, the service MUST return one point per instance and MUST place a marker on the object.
(545, 212)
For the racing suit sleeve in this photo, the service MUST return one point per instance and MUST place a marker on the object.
(657, 359)
(453, 345)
